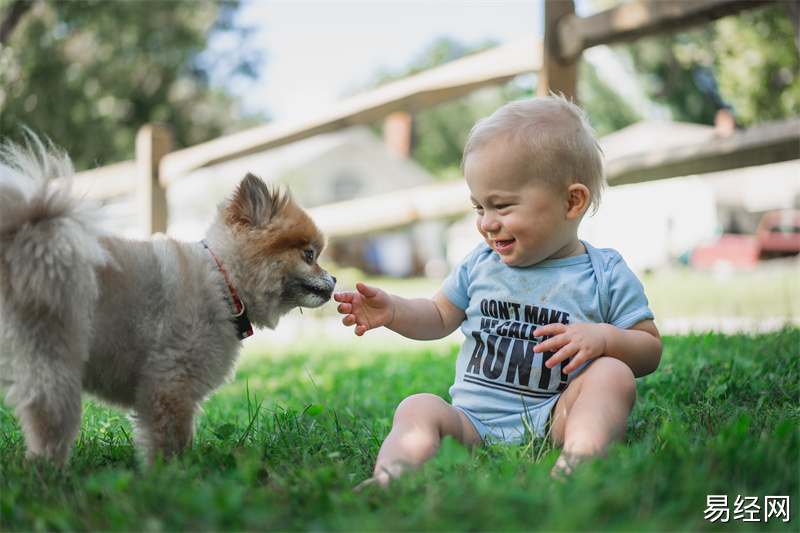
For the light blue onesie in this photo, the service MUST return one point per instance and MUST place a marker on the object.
(501, 384)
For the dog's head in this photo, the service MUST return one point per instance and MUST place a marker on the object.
(270, 247)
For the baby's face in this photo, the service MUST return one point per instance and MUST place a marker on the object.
(521, 219)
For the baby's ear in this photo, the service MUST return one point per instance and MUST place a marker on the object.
(577, 200)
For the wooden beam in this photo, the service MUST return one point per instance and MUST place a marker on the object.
(153, 142)
(107, 181)
(771, 142)
(642, 18)
(558, 73)
(760, 145)
(392, 210)
(433, 86)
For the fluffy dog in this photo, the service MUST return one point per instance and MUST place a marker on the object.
(153, 326)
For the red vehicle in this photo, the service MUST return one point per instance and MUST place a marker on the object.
(778, 235)
(740, 252)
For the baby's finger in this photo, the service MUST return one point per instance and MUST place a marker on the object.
(349, 320)
(577, 361)
(572, 366)
(343, 296)
(550, 329)
(344, 308)
(366, 290)
(561, 355)
(551, 344)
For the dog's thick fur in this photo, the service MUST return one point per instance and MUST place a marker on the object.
(143, 325)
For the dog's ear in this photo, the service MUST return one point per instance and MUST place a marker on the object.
(254, 204)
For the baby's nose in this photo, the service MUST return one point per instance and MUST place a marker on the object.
(489, 222)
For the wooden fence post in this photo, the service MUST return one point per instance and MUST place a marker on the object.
(153, 141)
(556, 74)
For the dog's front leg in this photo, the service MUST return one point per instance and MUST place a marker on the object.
(165, 419)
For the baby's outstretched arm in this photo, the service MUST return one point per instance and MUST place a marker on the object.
(423, 319)
(639, 346)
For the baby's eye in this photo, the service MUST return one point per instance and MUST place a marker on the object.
(309, 256)
(500, 207)
(478, 208)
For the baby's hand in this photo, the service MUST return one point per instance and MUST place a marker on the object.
(584, 341)
(366, 308)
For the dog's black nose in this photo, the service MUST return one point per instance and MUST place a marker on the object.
(334, 279)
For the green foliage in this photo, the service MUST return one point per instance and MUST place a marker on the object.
(282, 447)
(608, 111)
(440, 132)
(748, 62)
(89, 74)
(758, 65)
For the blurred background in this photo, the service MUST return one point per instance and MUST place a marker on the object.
(717, 250)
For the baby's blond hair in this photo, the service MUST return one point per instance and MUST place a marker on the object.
(556, 138)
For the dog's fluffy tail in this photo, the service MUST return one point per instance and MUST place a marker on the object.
(49, 256)
(49, 239)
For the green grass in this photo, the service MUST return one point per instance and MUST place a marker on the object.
(281, 448)
(773, 290)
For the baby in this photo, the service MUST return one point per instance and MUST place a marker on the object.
(556, 330)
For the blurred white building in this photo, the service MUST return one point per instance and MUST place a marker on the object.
(327, 168)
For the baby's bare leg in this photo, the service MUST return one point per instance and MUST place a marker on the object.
(420, 423)
(593, 411)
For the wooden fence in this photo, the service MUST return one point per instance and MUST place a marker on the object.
(554, 58)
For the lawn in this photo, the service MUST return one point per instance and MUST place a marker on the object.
(768, 292)
(281, 448)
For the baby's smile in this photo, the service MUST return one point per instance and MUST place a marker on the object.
(503, 246)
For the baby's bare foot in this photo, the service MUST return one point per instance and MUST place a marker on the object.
(384, 474)
(381, 480)
(565, 465)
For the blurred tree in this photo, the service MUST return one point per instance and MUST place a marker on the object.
(440, 132)
(88, 74)
(608, 111)
(747, 62)
(758, 65)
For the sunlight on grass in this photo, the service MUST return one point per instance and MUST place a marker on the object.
(765, 293)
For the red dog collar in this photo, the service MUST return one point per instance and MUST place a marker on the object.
(243, 327)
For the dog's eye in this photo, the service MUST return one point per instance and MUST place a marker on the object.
(309, 256)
